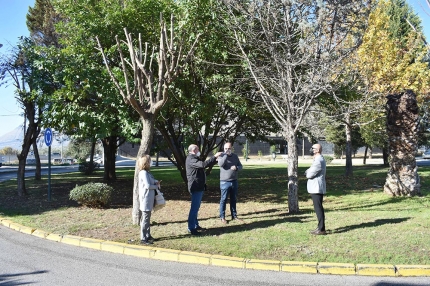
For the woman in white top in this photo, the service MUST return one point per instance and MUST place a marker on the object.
(147, 187)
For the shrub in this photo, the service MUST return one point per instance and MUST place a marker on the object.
(92, 194)
(328, 159)
(85, 167)
(245, 153)
(272, 149)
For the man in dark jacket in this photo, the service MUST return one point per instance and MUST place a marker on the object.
(196, 177)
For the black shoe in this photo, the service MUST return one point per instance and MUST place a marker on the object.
(151, 239)
(146, 242)
(195, 232)
(314, 230)
(319, 232)
(199, 228)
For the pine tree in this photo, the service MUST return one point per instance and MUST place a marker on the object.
(41, 20)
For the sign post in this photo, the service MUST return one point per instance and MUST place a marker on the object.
(48, 142)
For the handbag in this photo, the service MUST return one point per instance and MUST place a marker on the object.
(159, 201)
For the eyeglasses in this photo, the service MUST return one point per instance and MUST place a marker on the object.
(228, 148)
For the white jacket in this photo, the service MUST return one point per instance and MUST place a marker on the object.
(147, 187)
(316, 176)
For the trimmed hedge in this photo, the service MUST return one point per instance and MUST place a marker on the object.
(92, 194)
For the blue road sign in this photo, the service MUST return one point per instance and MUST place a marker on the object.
(48, 137)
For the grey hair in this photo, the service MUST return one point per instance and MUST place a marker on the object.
(192, 147)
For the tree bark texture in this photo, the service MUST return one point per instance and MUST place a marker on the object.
(348, 151)
(145, 148)
(38, 172)
(365, 155)
(30, 137)
(293, 181)
(402, 129)
(110, 147)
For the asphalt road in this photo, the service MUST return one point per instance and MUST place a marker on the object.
(26, 259)
(8, 173)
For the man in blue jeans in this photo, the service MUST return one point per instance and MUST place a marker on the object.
(229, 165)
(196, 176)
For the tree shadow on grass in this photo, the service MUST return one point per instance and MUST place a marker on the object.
(365, 205)
(375, 223)
(244, 226)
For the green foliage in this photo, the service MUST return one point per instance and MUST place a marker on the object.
(214, 92)
(40, 22)
(272, 149)
(87, 169)
(81, 149)
(260, 153)
(92, 194)
(87, 104)
(328, 159)
(338, 151)
(245, 153)
(335, 133)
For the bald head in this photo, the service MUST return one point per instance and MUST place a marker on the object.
(317, 148)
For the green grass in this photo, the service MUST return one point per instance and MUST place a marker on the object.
(364, 224)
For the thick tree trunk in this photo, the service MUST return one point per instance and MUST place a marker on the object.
(293, 181)
(29, 138)
(145, 148)
(365, 155)
(385, 156)
(348, 155)
(402, 129)
(22, 191)
(22, 158)
(38, 173)
(110, 146)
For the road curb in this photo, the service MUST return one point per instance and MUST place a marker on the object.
(376, 270)
(336, 268)
(226, 261)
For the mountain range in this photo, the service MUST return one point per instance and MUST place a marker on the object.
(14, 139)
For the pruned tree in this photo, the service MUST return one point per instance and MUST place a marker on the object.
(292, 49)
(153, 69)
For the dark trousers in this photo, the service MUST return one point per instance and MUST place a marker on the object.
(317, 199)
